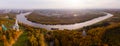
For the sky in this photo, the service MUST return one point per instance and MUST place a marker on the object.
(59, 4)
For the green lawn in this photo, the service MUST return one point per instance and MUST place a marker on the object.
(22, 40)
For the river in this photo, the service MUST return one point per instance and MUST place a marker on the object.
(21, 18)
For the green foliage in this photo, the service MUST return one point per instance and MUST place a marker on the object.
(10, 15)
(100, 36)
(22, 40)
(106, 33)
(36, 38)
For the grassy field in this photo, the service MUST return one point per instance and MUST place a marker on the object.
(63, 19)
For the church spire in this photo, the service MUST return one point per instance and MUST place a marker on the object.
(16, 26)
(16, 22)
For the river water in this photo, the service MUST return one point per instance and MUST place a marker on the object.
(21, 18)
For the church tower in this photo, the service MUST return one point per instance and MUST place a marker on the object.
(16, 26)
(84, 33)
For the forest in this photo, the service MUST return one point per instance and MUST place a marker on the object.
(105, 33)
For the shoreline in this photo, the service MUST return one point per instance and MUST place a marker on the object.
(21, 18)
(61, 21)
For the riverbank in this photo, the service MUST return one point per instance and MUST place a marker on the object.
(62, 19)
(21, 18)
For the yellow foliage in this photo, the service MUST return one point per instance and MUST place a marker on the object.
(17, 34)
(5, 41)
(105, 45)
(42, 40)
(12, 41)
(0, 28)
(12, 38)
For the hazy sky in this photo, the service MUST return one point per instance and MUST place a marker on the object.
(66, 4)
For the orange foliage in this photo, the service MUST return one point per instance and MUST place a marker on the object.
(0, 28)
(5, 41)
(12, 37)
(12, 41)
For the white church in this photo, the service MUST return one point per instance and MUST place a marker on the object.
(16, 26)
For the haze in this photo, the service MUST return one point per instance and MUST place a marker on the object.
(59, 4)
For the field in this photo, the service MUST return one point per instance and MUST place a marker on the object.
(63, 18)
